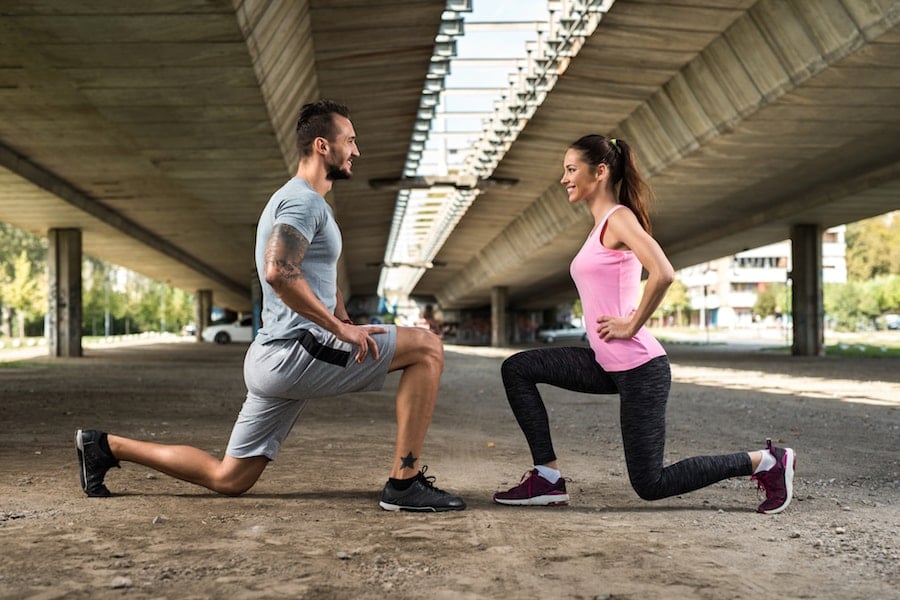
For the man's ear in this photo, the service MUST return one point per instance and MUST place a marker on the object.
(320, 145)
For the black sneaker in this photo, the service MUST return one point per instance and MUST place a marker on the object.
(93, 462)
(420, 496)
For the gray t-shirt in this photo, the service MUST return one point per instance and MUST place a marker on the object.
(297, 204)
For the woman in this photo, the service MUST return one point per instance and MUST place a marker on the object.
(623, 358)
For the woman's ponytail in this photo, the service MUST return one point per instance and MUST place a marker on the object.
(634, 192)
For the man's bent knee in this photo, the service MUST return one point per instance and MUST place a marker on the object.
(233, 489)
(238, 475)
(416, 345)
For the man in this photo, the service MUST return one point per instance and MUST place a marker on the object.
(307, 348)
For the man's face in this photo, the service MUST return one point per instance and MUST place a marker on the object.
(341, 151)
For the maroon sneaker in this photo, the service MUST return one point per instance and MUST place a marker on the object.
(534, 490)
(778, 482)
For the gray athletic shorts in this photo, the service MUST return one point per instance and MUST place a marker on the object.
(282, 375)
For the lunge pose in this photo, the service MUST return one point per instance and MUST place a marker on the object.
(307, 348)
(623, 357)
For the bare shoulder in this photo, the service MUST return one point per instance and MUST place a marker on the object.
(623, 217)
(623, 225)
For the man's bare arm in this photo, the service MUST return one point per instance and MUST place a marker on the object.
(340, 309)
(284, 255)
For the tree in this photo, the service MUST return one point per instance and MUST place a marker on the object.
(103, 305)
(873, 274)
(841, 305)
(114, 300)
(577, 309)
(772, 300)
(676, 302)
(873, 247)
(13, 243)
(22, 291)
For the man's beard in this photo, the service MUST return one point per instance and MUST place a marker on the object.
(335, 172)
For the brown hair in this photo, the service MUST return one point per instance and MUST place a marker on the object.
(317, 120)
(634, 192)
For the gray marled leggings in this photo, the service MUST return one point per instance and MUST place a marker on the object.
(643, 393)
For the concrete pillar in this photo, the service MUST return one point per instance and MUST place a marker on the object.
(203, 313)
(549, 315)
(807, 305)
(64, 270)
(499, 330)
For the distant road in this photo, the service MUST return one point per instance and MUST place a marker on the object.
(40, 350)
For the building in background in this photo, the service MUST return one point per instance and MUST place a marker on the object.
(724, 291)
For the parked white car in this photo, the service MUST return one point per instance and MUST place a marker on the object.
(560, 331)
(224, 333)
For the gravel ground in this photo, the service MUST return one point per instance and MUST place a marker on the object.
(311, 527)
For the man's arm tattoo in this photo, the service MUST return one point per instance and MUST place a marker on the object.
(285, 251)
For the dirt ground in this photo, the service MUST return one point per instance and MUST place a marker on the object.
(312, 528)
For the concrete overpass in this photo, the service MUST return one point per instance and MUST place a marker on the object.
(152, 134)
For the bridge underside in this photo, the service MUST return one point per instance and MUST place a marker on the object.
(159, 131)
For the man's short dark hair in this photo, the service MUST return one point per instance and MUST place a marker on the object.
(317, 120)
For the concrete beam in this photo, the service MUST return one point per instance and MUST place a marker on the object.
(825, 193)
(538, 226)
(64, 191)
(279, 39)
(763, 55)
(273, 31)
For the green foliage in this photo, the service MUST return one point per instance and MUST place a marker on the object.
(873, 273)
(774, 299)
(675, 303)
(130, 302)
(873, 247)
(860, 304)
(126, 301)
(22, 291)
(13, 241)
(23, 287)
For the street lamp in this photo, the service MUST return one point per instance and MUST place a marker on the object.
(707, 273)
(705, 300)
(787, 306)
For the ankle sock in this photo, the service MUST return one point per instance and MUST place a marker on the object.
(767, 462)
(103, 442)
(401, 484)
(548, 473)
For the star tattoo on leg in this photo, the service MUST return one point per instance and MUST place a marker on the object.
(408, 461)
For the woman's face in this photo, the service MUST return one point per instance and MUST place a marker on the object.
(579, 178)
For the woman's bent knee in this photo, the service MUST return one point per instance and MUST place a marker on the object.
(514, 367)
(648, 491)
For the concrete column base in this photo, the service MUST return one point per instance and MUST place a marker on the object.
(65, 310)
(499, 329)
(807, 304)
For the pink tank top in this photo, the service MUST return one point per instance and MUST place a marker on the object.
(609, 283)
